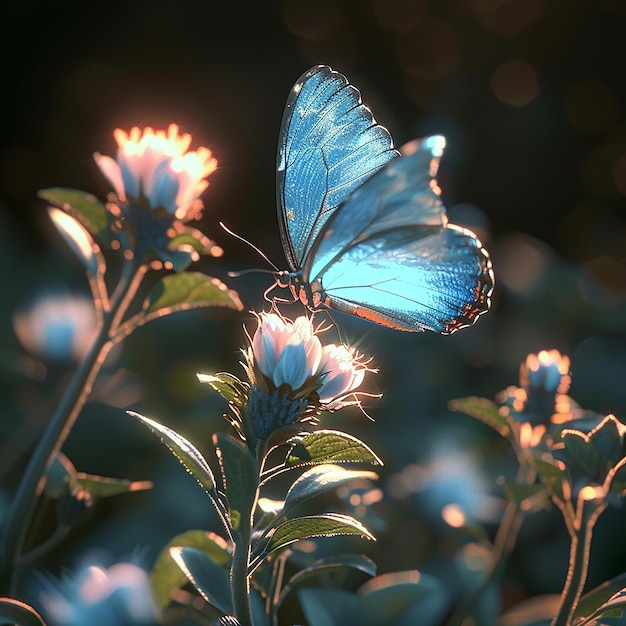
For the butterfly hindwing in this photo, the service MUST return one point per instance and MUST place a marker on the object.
(329, 144)
(388, 253)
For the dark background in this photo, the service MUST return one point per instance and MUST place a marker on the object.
(530, 95)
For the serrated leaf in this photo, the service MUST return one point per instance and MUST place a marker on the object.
(484, 410)
(329, 446)
(84, 206)
(322, 566)
(594, 599)
(185, 452)
(19, 613)
(105, 487)
(79, 239)
(240, 476)
(187, 290)
(326, 525)
(210, 579)
(228, 386)
(402, 599)
(166, 575)
(318, 480)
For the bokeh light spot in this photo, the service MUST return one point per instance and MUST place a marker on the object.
(400, 16)
(506, 17)
(429, 51)
(313, 21)
(515, 83)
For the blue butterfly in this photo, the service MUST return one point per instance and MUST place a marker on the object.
(363, 227)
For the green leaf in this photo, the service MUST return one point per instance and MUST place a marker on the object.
(613, 607)
(91, 213)
(594, 599)
(551, 476)
(187, 290)
(329, 607)
(403, 599)
(318, 480)
(59, 475)
(527, 497)
(185, 452)
(19, 613)
(328, 564)
(240, 475)
(537, 611)
(104, 487)
(327, 525)
(484, 410)
(209, 578)
(618, 482)
(329, 446)
(167, 576)
(228, 386)
(80, 241)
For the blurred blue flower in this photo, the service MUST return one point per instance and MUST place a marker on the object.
(120, 595)
(57, 326)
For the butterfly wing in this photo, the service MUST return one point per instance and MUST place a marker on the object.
(389, 255)
(329, 144)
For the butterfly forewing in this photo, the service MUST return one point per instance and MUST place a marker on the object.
(329, 144)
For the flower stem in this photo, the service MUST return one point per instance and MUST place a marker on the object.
(240, 582)
(578, 560)
(31, 484)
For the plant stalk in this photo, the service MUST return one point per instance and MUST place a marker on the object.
(15, 528)
(578, 561)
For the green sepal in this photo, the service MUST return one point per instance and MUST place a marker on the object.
(318, 480)
(166, 575)
(329, 446)
(593, 601)
(79, 240)
(188, 290)
(90, 212)
(326, 525)
(208, 577)
(324, 566)
(240, 477)
(19, 613)
(484, 410)
(189, 456)
(234, 391)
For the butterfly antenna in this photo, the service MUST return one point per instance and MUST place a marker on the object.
(257, 250)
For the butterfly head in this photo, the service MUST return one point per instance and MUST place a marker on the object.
(310, 294)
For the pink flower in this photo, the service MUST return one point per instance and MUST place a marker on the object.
(157, 166)
(289, 352)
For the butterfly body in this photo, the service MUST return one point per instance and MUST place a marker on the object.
(363, 227)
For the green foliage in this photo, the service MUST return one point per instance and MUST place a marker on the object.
(610, 595)
(327, 525)
(240, 476)
(328, 564)
(166, 574)
(19, 613)
(209, 578)
(329, 446)
(85, 207)
(229, 387)
(187, 290)
(484, 410)
(318, 480)
(399, 599)
(185, 452)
